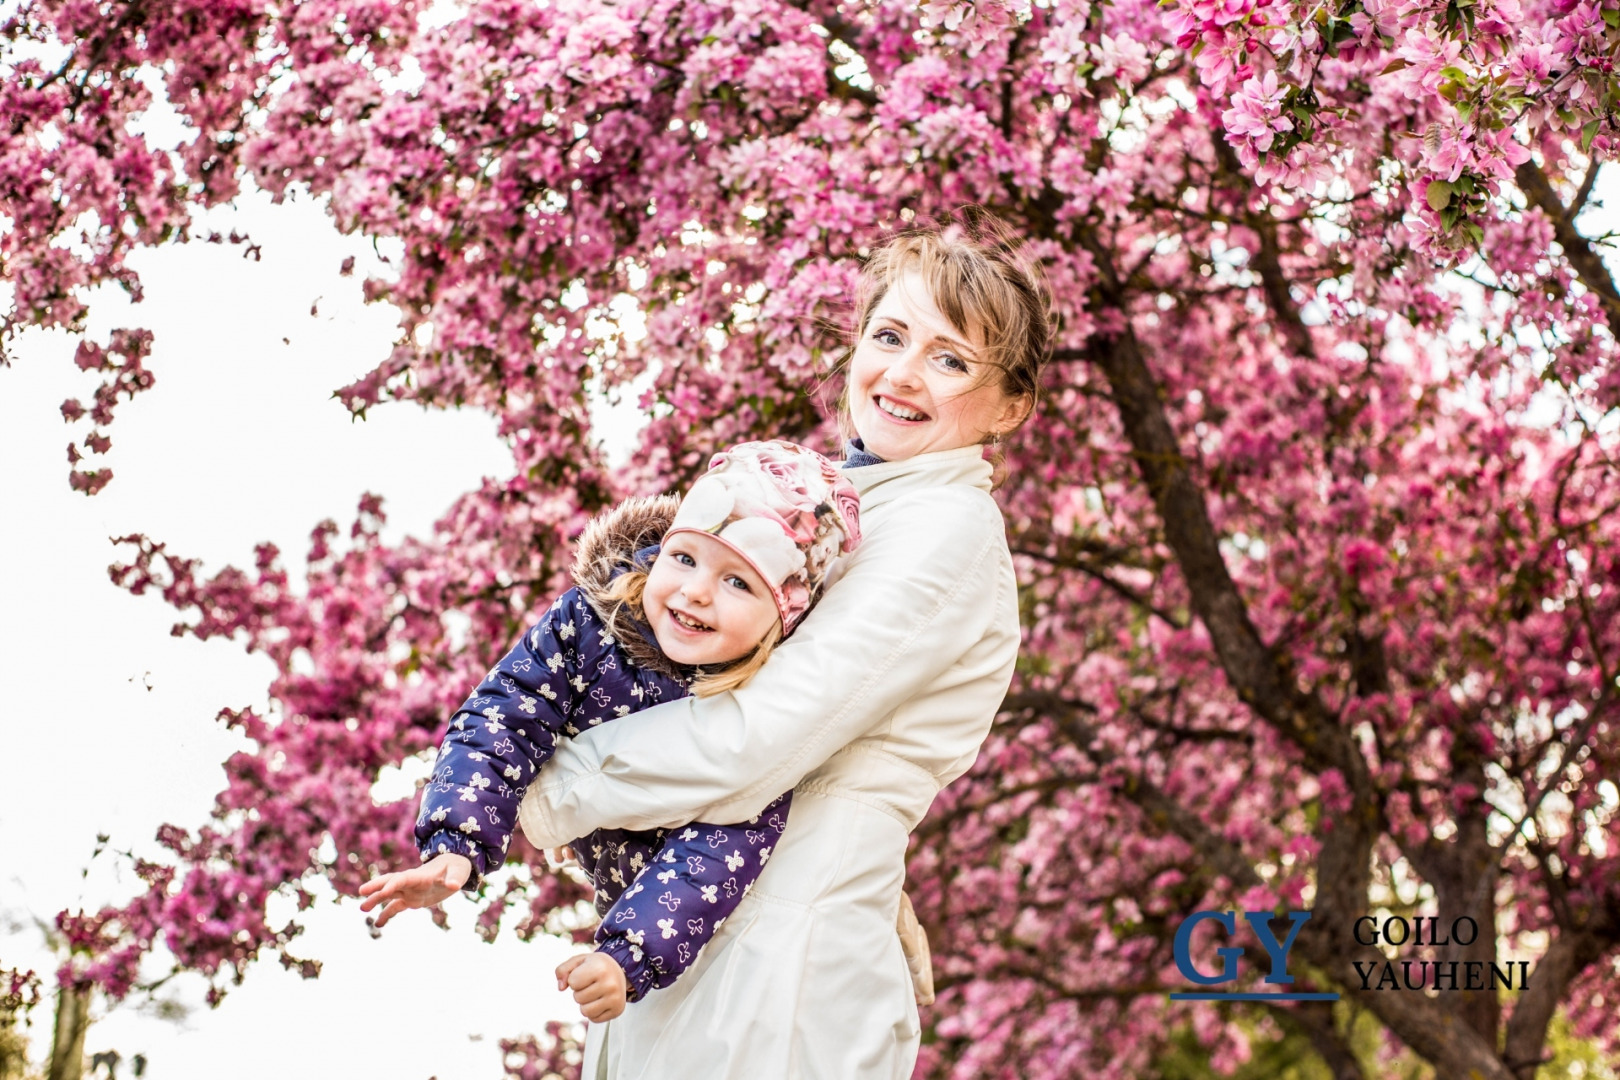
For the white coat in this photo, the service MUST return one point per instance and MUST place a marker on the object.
(878, 700)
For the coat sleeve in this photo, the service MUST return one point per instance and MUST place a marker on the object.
(500, 737)
(657, 927)
(917, 596)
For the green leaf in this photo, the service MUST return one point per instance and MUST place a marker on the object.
(1588, 133)
(1475, 233)
(1438, 194)
(1455, 73)
(1612, 17)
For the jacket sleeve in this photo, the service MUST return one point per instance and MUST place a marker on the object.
(500, 737)
(657, 927)
(917, 596)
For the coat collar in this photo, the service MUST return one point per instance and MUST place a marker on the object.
(885, 482)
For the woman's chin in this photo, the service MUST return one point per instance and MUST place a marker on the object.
(898, 445)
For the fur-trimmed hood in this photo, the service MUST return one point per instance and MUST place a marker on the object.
(606, 548)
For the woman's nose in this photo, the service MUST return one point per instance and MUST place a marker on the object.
(906, 371)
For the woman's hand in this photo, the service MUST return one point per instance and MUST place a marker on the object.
(435, 881)
(598, 983)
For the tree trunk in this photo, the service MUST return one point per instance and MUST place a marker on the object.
(72, 1020)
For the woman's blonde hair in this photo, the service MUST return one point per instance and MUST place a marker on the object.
(977, 276)
(626, 592)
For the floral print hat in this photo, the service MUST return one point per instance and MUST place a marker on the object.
(785, 509)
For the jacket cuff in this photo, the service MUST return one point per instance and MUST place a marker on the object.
(536, 820)
(638, 976)
(455, 843)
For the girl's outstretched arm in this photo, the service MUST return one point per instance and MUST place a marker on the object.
(505, 731)
(430, 884)
(920, 596)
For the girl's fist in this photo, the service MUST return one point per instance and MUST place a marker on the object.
(598, 983)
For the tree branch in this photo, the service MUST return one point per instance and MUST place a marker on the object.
(1314, 1020)
(1587, 263)
(1569, 954)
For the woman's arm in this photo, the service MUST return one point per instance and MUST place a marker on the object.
(922, 588)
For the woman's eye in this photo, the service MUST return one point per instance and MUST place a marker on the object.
(953, 363)
(888, 337)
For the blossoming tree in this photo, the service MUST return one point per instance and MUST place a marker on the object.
(1316, 525)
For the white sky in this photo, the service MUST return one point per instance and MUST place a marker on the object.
(239, 442)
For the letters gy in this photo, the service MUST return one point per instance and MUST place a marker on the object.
(1231, 955)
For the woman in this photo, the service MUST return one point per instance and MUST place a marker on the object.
(880, 700)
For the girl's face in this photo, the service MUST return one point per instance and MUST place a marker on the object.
(705, 604)
(915, 386)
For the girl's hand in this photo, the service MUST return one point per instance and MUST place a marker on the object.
(560, 856)
(435, 881)
(598, 983)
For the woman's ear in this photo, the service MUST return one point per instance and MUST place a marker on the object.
(1013, 413)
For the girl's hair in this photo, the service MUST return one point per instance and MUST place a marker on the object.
(977, 276)
(626, 592)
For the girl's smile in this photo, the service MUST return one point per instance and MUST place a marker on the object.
(704, 602)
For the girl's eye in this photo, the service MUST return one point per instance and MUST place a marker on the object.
(684, 559)
(737, 582)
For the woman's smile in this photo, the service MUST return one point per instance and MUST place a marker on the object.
(899, 410)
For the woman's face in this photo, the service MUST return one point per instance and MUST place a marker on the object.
(704, 602)
(916, 386)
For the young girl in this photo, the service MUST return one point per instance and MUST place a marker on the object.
(670, 598)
